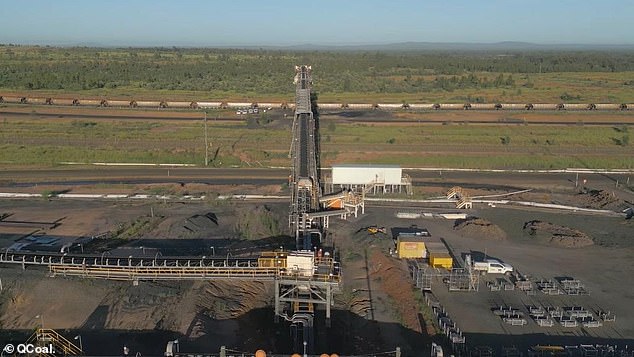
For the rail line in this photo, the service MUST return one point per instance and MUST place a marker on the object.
(192, 105)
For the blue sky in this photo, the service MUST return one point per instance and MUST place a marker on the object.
(283, 22)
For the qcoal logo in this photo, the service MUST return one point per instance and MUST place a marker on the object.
(8, 348)
(24, 348)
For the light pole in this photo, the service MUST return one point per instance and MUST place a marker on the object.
(206, 142)
(41, 317)
(305, 343)
(213, 250)
(81, 347)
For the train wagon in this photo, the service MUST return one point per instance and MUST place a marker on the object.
(66, 101)
(14, 100)
(389, 106)
(118, 103)
(87, 102)
(421, 106)
(37, 101)
(607, 106)
(182, 105)
(235, 105)
(544, 106)
(148, 104)
(329, 106)
(576, 106)
(514, 106)
(270, 105)
(360, 106)
(482, 106)
(209, 105)
(451, 106)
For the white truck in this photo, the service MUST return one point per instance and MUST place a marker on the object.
(492, 266)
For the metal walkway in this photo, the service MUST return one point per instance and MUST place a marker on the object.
(165, 268)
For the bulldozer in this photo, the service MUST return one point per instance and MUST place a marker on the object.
(373, 230)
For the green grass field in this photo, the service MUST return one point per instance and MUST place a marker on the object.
(515, 146)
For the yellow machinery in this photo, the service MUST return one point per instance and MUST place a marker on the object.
(373, 230)
(410, 247)
(441, 260)
(276, 259)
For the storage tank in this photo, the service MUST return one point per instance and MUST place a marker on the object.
(482, 106)
(544, 106)
(147, 104)
(608, 106)
(209, 105)
(84, 102)
(121, 103)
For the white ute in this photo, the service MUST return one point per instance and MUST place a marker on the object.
(492, 266)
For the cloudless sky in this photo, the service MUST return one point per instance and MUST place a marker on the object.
(332, 22)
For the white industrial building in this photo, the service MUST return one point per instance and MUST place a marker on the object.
(370, 178)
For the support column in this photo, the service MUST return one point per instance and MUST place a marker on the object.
(276, 317)
(328, 301)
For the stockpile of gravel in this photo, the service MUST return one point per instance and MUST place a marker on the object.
(557, 235)
(475, 227)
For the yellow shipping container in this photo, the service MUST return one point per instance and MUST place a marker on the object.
(410, 247)
(440, 260)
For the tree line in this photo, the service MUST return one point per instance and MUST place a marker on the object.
(270, 71)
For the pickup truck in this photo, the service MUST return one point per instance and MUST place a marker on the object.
(492, 266)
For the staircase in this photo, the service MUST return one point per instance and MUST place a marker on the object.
(462, 198)
(62, 346)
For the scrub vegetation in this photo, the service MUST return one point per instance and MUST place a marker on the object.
(348, 76)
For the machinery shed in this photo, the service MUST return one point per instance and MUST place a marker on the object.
(410, 247)
(350, 174)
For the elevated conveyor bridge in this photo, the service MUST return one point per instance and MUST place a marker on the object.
(306, 188)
